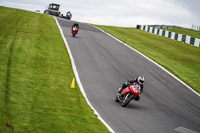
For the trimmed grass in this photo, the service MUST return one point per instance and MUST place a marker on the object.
(35, 78)
(184, 31)
(181, 59)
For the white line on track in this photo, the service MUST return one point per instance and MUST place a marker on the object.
(151, 61)
(78, 79)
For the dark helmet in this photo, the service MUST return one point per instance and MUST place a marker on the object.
(141, 80)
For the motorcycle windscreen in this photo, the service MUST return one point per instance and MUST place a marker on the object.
(135, 88)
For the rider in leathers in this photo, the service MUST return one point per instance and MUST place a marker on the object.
(139, 80)
(68, 15)
(75, 25)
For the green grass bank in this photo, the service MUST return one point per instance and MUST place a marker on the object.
(183, 60)
(35, 78)
(184, 31)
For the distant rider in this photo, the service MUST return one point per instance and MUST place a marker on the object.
(139, 80)
(68, 15)
(75, 25)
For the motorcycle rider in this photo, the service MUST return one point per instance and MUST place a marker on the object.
(68, 15)
(139, 80)
(75, 25)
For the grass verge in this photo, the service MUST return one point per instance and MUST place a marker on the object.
(181, 59)
(35, 78)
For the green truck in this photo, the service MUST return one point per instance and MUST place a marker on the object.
(53, 9)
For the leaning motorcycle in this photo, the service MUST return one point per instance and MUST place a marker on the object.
(129, 93)
(74, 31)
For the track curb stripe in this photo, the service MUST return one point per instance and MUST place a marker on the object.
(78, 79)
(151, 61)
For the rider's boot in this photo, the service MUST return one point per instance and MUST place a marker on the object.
(137, 98)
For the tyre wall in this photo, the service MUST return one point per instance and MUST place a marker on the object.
(172, 35)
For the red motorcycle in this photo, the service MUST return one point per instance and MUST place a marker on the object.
(74, 31)
(129, 93)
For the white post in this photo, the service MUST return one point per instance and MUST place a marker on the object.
(155, 31)
(166, 33)
(179, 37)
(188, 39)
(151, 29)
(197, 42)
(173, 35)
(146, 28)
(141, 28)
(160, 32)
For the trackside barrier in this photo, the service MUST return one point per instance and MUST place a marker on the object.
(172, 35)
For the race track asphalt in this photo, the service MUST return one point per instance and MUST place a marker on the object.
(103, 64)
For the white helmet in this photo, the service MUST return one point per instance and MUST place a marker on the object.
(141, 80)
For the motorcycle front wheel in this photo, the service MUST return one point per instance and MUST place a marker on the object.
(126, 99)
